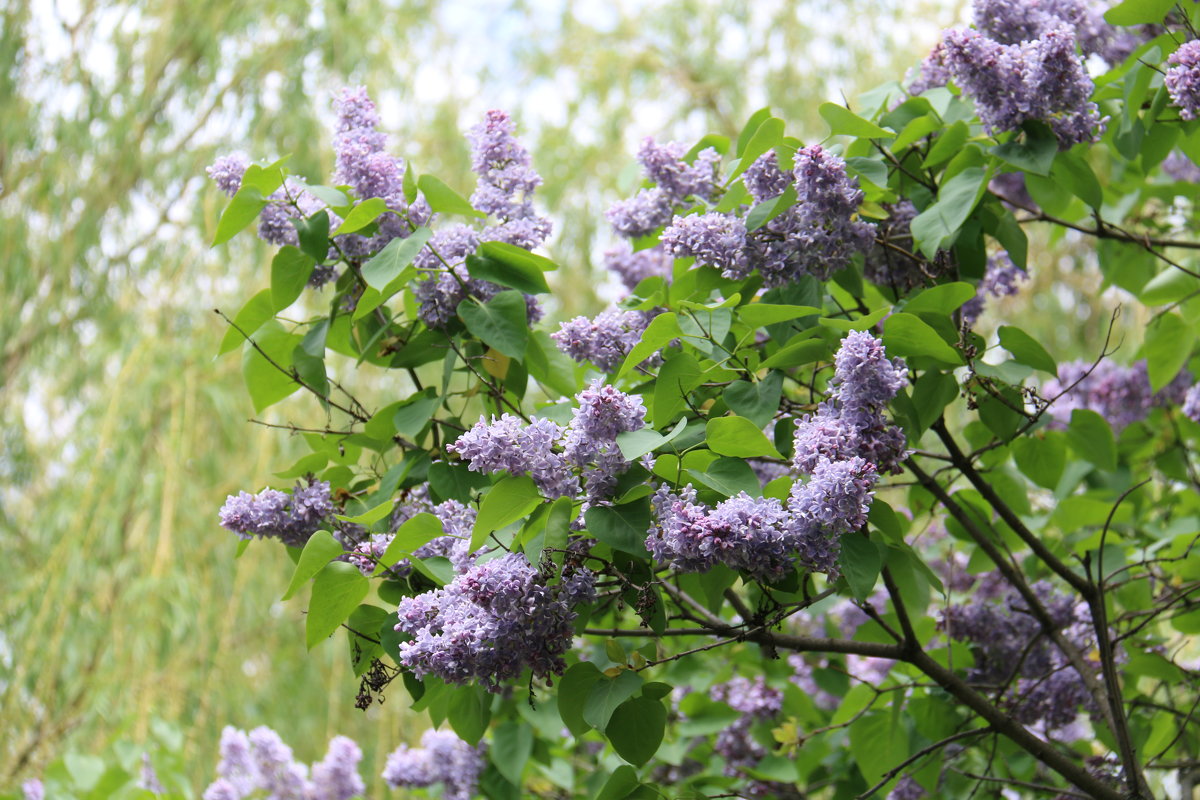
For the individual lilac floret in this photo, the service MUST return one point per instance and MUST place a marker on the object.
(1183, 79)
(713, 239)
(290, 518)
(442, 758)
(488, 625)
(605, 340)
(1002, 279)
(864, 377)
(1191, 404)
(508, 444)
(1011, 84)
(1179, 167)
(227, 171)
(603, 412)
(664, 165)
(634, 267)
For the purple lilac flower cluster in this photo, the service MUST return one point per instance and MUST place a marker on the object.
(906, 789)
(1183, 79)
(1002, 278)
(851, 424)
(1040, 79)
(457, 521)
(442, 758)
(33, 789)
(1191, 403)
(1179, 167)
(817, 236)
(271, 513)
(362, 162)
(756, 702)
(1122, 395)
(1016, 21)
(589, 444)
(675, 180)
(261, 762)
(634, 267)
(886, 263)
(605, 340)
(1010, 648)
(491, 623)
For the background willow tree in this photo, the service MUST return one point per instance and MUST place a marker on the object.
(119, 431)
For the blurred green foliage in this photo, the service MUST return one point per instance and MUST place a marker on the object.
(119, 434)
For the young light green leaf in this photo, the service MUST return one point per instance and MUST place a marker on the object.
(388, 264)
(415, 532)
(371, 516)
(769, 134)
(941, 299)
(908, 336)
(1166, 348)
(1027, 350)
(739, 437)
(512, 273)
(319, 550)
(506, 502)
(938, 225)
(794, 355)
(678, 376)
(843, 121)
(635, 444)
(661, 330)
(759, 315)
(249, 318)
(443, 199)
(362, 215)
(337, 591)
(511, 254)
(265, 367)
(290, 271)
(241, 211)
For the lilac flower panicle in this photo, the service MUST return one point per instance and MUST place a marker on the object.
(1183, 79)
(933, 72)
(764, 180)
(227, 171)
(866, 379)
(488, 625)
(442, 758)
(603, 412)
(220, 789)
(832, 503)
(290, 518)
(664, 165)
(1122, 395)
(713, 239)
(605, 340)
(261, 762)
(641, 214)
(834, 435)
(755, 701)
(33, 789)
(508, 444)
(336, 777)
(1001, 279)
(1179, 167)
(1191, 404)
(506, 183)
(634, 267)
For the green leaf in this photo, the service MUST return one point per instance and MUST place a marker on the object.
(371, 516)
(1092, 438)
(915, 130)
(455, 481)
(500, 322)
(468, 712)
(506, 502)
(1041, 459)
(413, 414)
(337, 591)
(241, 211)
(511, 254)
(877, 743)
(334, 198)
(1027, 350)
(574, 688)
(443, 199)
(729, 476)
(1166, 348)
(636, 729)
(759, 315)
(768, 210)
(738, 436)
(843, 121)
(388, 264)
(514, 274)
(908, 336)
(319, 550)
(511, 746)
(1075, 174)
(757, 402)
(752, 125)
(249, 318)
(362, 215)
(769, 134)
(937, 226)
(794, 355)
(861, 563)
(620, 784)
(415, 532)
(661, 330)
(869, 169)
(313, 234)
(290, 271)
(635, 444)
(1034, 152)
(621, 527)
(863, 323)
(942, 299)
(947, 146)
(678, 376)
(267, 378)
(1138, 12)
(1169, 286)
(608, 693)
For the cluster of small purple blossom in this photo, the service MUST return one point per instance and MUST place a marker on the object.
(291, 518)
(605, 340)
(1016, 21)
(1183, 79)
(756, 702)
(492, 622)
(457, 521)
(675, 181)
(1011, 649)
(1122, 395)
(588, 444)
(634, 266)
(816, 236)
(260, 762)
(443, 759)
(1001, 279)
(890, 261)
(1179, 167)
